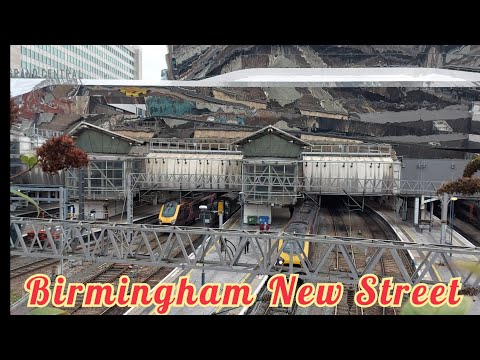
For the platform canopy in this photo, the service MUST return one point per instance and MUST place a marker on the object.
(413, 77)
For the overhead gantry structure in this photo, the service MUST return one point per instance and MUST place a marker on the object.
(148, 245)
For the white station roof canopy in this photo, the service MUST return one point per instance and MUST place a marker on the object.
(412, 77)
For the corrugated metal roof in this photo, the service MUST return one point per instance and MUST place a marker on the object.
(274, 130)
(195, 156)
(84, 124)
(348, 159)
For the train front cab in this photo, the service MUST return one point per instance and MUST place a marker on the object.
(292, 246)
(169, 213)
(173, 213)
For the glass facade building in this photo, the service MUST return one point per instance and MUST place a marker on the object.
(89, 61)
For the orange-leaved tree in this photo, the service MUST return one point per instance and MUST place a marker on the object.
(57, 153)
(468, 184)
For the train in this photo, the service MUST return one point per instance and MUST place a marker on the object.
(468, 210)
(305, 220)
(186, 210)
(230, 205)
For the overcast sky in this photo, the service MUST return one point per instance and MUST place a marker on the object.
(153, 61)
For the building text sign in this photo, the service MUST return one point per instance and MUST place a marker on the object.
(64, 76)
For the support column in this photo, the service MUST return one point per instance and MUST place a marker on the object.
(81, 194)
(129, 192)
(422, 207)
(443, 220)
(63, 198)
(415, 212)
(61, 205)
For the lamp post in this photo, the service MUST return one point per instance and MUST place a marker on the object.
(452, 209)
(203, 209)
(242, 194)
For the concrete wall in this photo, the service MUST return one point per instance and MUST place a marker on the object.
(114, 207)
(450, 113)
(225, 97)
(257, 210)
(476, 111)
(15, 57)
(473, 140)
(324, 114)
(432, 169)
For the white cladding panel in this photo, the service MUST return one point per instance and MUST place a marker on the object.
(331, 174)
(190, 171)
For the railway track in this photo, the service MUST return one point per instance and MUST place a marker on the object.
(109, 274)
(367, 225)
(263, 305)
(157, 275)
(31, 267)
(386, 266)
(36, 265)
(347, 305)
(153, 279)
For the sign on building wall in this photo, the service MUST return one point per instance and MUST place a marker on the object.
(59, 76)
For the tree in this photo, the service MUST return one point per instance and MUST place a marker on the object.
(468, 184)
(56, 154)
(472, 167)
(60, 153)
(13, 112)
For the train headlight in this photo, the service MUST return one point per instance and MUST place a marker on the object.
(160, 222)
(280, 261)
(173, 222)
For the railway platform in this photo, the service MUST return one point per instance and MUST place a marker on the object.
(407, 232)
(140, 213)
(280, 217)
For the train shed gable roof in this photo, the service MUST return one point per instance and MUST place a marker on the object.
(77, 130)
(271, 130)
(96, 140)
(271, 142)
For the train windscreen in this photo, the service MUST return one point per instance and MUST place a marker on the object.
(294, 245)
(169, 209)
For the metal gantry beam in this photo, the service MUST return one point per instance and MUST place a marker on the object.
(310, 185)
(61, 197)
(153, 246)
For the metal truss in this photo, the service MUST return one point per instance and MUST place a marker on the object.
(154, 245)
(309, 185)
(60, 191)
(352, 149)
(188, 181)
(200, 145)
(191, 145)
(109, 191)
